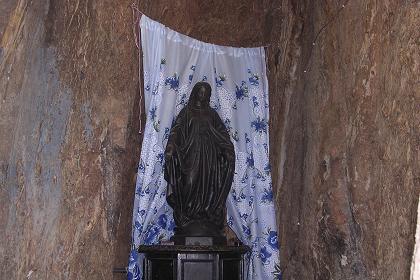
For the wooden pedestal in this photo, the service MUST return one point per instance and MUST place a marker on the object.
(189, 262)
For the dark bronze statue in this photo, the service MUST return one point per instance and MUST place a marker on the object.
(200, 162)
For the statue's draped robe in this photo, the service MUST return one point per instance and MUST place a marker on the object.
(201, 169)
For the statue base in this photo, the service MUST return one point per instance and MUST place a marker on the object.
(189, 262)
(199, 240)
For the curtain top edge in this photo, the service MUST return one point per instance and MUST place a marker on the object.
(150, 24)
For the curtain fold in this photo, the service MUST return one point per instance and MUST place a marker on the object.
(172, 64)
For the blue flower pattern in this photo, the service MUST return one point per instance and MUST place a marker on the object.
(133, 268)
(220, 79)
(241, 91)
(272, 240)
(265, 254)
(152, 113)
(254, 78)
(190, 77)
(267, 196)
(260, 125)
(172, 82)
(162, 221)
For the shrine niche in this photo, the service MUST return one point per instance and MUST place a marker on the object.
(342, 78)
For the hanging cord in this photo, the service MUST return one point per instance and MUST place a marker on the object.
(324, 26)
(136, 34)
(136, 18)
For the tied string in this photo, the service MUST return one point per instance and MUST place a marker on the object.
(136, 34)
(324, 26)
(136, 19)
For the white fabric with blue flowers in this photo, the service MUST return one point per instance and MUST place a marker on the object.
(172, 64)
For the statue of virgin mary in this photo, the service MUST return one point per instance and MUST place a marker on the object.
(199, 167)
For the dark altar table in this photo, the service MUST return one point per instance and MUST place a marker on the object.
(192, 262)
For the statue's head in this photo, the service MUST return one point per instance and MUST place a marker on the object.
(200, 95)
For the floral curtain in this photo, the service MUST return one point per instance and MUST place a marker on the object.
(172, 64)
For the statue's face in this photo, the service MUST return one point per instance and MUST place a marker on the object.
(200, 95)
(203, 97)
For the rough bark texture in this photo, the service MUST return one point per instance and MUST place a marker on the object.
(356, 207)
(344, 135)
(69, 141)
